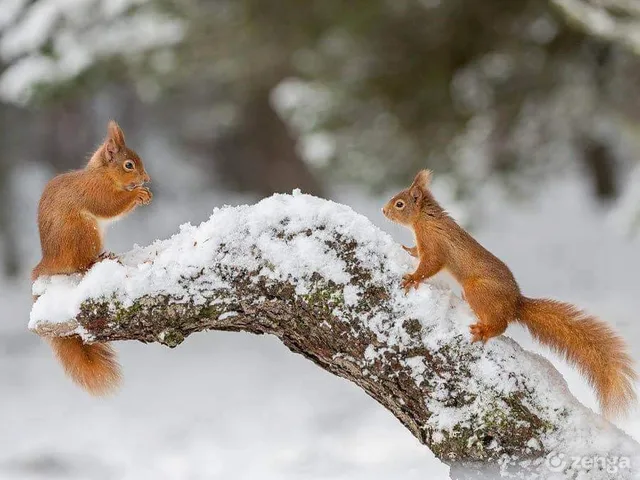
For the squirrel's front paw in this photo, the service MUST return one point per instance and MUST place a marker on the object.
(410, 281)
(413, 251)
(143, 196)
(478, 333)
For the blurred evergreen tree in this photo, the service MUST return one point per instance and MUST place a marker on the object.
(371, 90)
(483, 90)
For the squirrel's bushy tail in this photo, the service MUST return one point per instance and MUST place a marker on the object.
(588, 343)
(92, 366)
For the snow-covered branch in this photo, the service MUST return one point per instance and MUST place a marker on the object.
(615, 21)
(325, 281)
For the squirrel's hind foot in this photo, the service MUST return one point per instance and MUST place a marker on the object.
(105, 256)
(482, 332)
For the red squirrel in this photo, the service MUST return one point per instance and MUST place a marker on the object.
(74, 209)
(494, 296)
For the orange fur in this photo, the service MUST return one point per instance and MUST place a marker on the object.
(588, 343)
(71, 216)
(494, 295)
(92, 366)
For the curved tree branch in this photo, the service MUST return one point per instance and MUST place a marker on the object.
(324, 280)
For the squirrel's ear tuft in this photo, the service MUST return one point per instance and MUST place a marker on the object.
(114, 142)
(423, 179)
(115, 133)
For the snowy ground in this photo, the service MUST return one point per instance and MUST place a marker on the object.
(233, 406)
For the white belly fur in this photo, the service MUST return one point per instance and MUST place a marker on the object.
(103, 223)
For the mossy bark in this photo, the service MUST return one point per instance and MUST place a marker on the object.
(505, 438)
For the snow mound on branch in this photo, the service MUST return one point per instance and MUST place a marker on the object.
(250, 236)
(289, 238)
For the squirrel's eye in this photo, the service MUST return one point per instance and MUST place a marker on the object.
(129, 165)
(400, 204)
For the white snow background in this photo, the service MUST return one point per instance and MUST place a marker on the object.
(233, 406)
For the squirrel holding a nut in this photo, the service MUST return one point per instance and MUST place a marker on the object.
(74, 210)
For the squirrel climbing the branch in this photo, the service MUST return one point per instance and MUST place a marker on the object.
(494, 296)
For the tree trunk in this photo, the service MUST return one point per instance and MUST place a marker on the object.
(10, 252)
(260, 154)
(601, 167)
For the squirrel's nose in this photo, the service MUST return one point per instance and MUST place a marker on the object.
(146, 178)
